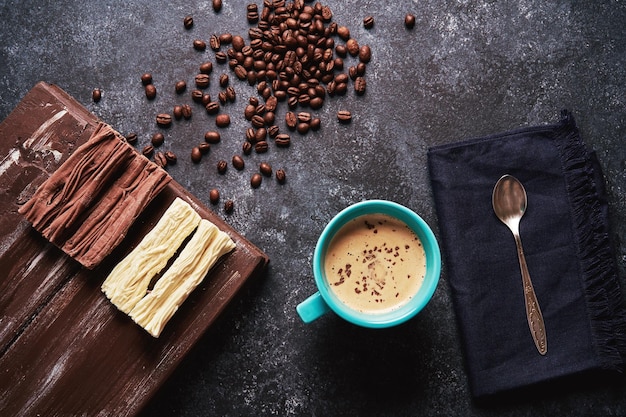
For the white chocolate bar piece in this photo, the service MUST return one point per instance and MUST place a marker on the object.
(203, 250)
(129, 280)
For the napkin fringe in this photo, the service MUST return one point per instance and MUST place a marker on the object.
(599, 272)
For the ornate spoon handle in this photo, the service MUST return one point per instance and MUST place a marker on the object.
(533, 312)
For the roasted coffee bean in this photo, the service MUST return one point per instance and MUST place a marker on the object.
(316, 103)
(202, 80)
(199, 45)
(96, 95)
(196, 155)
(223, 80)
(305, 17)
(344, 116)
(265, 169)
(214, 43)
(261, 147)
(212, 107)
(250, 135)
(146, 78)
(131, 138)
(180, 87)
(341, 50)
(157, 139)
(229, 206)
(316, 123)
(409, 21)
(258, 52)
(222, 120)
(302, 128)
(269, 118)
(187, 111)
(273, 130)
(360, 85)
(204, 148)
(304, 117)
(360, 69)
(163, 119)
(365, 54)
(206, 67)
(281, 177)
(241, 72)
(160, 160)
(226, 38)
(206, 98)
(252, 16)
(212, 136)
(178, 112)
(171, 157)
(260, 134)
(341, 78)
(197, 96)
(368, 22)
(283, 140)
(331, 88)
(214, 196)
(238, 43)
(238, 163)
(231, 95)
(271, 103)
(217, 5)
(341, 88)
(280, 95)
(326, 13)
(252, 77)
(343, 32)
(353, 47)
(304, 99)
(253, 101)
(221, 96)
(291, 120)
(147, 150)
(188, 22)
(222, 166)
(151, 91)
(255, 180)
(246, 148)
(221, 57)
(257, 121)
(352, 72)
(249, 111)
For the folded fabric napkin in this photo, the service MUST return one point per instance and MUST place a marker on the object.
(564, 233)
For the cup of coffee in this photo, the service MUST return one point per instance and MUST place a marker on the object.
(376, 264)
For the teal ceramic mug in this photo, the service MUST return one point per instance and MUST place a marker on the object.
(326, 299)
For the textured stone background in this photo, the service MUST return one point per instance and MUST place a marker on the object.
(469, 68)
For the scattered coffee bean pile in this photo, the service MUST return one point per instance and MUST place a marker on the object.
(290, 57)
(295, 54)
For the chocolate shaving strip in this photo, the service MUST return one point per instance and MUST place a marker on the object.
(88, 204)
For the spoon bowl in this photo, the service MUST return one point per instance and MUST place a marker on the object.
(509, 203)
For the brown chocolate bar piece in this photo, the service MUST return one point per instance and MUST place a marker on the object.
(88, 204)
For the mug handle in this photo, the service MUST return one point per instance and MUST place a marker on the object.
(312, 308)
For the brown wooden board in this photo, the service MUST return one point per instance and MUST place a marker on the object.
(64, 348)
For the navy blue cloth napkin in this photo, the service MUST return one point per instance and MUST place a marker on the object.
(568, 251)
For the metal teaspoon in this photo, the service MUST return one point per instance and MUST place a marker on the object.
(509, 204)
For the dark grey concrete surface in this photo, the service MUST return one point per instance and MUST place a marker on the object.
(468, 68)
